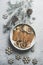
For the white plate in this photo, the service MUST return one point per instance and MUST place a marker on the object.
(12, 42)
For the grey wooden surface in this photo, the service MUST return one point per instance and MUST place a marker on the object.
(38, 27)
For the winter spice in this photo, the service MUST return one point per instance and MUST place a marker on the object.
(8, 51)
(14, 19)
(17, 57)
(26, 60)
(34, 61)
(29, 12)
(23, 35)
(11, 61)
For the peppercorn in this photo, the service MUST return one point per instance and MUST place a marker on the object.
(33, 18)
(29, 12)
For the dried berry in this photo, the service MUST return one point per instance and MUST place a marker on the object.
(29, 12)
(17, 57)
(11, 61)
(14, 19)
(9, 51)
(26, 60)
(34, 61)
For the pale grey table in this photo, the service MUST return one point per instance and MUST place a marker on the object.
(37, 25)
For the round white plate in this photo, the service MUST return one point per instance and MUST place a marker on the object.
(12, 42)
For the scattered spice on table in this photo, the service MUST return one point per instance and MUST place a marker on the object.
(11, 61)
(18, 57)
(26, 60)
(34, 61)
(8, 51)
